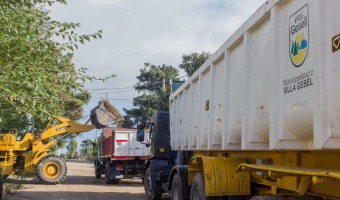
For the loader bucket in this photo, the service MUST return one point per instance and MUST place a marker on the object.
(105, 114)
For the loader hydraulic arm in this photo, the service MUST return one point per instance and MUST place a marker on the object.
(65, 126)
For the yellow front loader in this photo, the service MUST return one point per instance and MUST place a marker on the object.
(29, 154)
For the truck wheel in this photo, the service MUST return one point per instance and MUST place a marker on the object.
(267, 198)
(197, 188)
(51, 170)
(107, 175)
(97, 172)
(150, 195)
(238, 197)
(115, 181)
(306, 197)
(177, 187)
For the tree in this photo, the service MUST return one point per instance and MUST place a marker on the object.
(153, 97)
(151, 80)
(150, 84)
(37, 75)
(88, 149)
(190, 63)
(128, 123)
(61, 142)
(74, 108)
(72, 148)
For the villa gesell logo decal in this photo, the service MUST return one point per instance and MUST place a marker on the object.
(298, 49)
(299, 36)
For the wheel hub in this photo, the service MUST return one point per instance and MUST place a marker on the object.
(51, 170)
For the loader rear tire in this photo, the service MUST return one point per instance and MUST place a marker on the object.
(51, 170)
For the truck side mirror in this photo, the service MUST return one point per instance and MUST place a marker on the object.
(140, 135)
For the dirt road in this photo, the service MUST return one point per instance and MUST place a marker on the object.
(80, 183)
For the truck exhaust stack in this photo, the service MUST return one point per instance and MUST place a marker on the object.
(105, 114)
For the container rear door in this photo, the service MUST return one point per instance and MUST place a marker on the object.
(126, 144)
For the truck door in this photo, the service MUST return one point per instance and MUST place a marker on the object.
(160, 136)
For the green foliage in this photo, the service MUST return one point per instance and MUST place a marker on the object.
(128, 122)
(37, 75)
(89, 149)
(150, 83)
(74, 108)
(151, 80)
(190, 63)
(10, 186)
(63, 156)
(9, 122)
(60, 145)
(145, 105)
(72, 148)
(153, 97)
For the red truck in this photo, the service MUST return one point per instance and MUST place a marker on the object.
(120, 155)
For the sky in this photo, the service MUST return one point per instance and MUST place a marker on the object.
(140, 31)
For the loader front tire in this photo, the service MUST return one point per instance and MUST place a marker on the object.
(51, 170)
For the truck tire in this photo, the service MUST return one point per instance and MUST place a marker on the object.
(150, 195)
(267, 198)
(107, 174)
(198, 189)
(115, 181)
(238, 197)
(177, 188)
(51, 170)
(97, 172)
(306, 197)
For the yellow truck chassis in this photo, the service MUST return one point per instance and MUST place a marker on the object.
(273, 173)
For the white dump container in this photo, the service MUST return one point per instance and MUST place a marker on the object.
(126, 144)
(273, 85)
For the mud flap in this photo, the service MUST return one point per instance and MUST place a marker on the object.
(160, 171)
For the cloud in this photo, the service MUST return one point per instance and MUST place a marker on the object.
(158, 31)
(137, 31)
